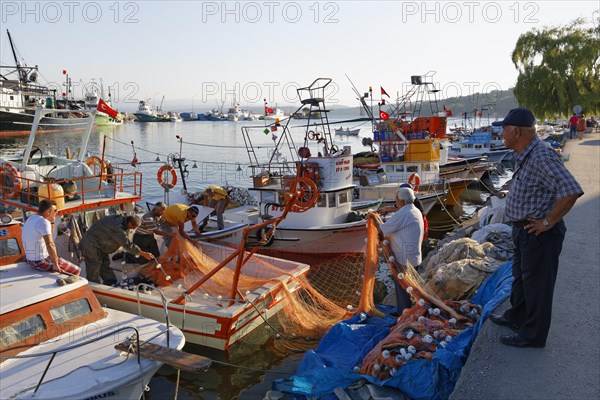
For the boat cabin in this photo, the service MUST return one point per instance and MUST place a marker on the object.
(36, 309)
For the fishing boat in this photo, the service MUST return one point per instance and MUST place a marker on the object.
(145, 113)
(105, 115)
(347, 131)
(331, 227)
(21, 94)
(77, 185)
(488, 143)
(411, 150)
(57, 342)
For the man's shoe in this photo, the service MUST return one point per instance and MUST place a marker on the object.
(517, 341)
(502, 321)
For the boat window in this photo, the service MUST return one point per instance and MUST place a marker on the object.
(69, 311)
(322, 200)
(9, 247)
(267, 197)
(21, 330)
(331, 199)
(389, 168)
(343, 198)
(412, 168)
(399, 168)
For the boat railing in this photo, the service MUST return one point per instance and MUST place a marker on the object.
(163, 298)
(90, 189)
(273, 173)
(53, 353)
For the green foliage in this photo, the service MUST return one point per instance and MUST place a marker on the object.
(559, 67)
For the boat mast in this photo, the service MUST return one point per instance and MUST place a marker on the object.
(21, 71)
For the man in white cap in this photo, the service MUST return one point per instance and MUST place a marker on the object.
(405, 232)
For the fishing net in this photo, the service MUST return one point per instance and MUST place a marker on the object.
(330, 292)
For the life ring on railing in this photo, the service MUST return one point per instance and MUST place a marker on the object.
(414, 181)
(97, 161)
(163, 177)
(11, 181)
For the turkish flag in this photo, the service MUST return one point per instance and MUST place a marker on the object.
(105, 108)
(383, 92)
(384, 116)
(268, 110)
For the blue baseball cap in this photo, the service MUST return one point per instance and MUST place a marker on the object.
(517, 117)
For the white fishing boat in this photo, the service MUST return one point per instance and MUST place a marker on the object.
(488, 142)
(57, 342)
(329, 228)
(145, 113)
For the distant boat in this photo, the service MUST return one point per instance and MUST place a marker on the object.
(347, 131)
(146, 114)
(20, 96)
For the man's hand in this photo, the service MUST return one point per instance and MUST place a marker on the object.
(536, 226)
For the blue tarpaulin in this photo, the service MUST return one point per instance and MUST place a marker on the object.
(332, 364)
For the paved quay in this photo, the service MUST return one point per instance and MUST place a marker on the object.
(569, 366)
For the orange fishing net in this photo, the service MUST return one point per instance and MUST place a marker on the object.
(330, 292)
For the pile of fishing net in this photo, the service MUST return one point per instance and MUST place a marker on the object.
(420, 330)
(457, 269)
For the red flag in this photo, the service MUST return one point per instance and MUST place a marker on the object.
(268, 110)
(384, 116)
(273, 128)
(105, 108)
(383, 92)
(447, 111)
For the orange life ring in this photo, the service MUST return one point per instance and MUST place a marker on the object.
(414, 181)
(97, 161)
(163, 180)
(11, 181)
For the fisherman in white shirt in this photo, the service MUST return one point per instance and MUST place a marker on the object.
(405, 230)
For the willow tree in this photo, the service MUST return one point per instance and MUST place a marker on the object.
(559, 68)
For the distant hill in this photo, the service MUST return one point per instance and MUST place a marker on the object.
(496, 103)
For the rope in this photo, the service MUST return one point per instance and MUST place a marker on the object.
(226, 364)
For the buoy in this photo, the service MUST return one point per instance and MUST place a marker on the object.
(163, 178)
(414, 181)
(11, 181)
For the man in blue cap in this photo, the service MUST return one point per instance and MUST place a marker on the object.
(542, 192)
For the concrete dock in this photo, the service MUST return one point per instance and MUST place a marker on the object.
(569, 366)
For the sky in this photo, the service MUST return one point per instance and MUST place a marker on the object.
(200, 54)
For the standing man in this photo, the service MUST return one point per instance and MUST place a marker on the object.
(218, 199)
(405, 232)
(40, 250)
(144, 234)
(175, 216)
(542, 192)
(573, 126)
(104, 237)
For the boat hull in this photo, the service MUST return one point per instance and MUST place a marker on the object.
(206, 320)
(15, 123)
